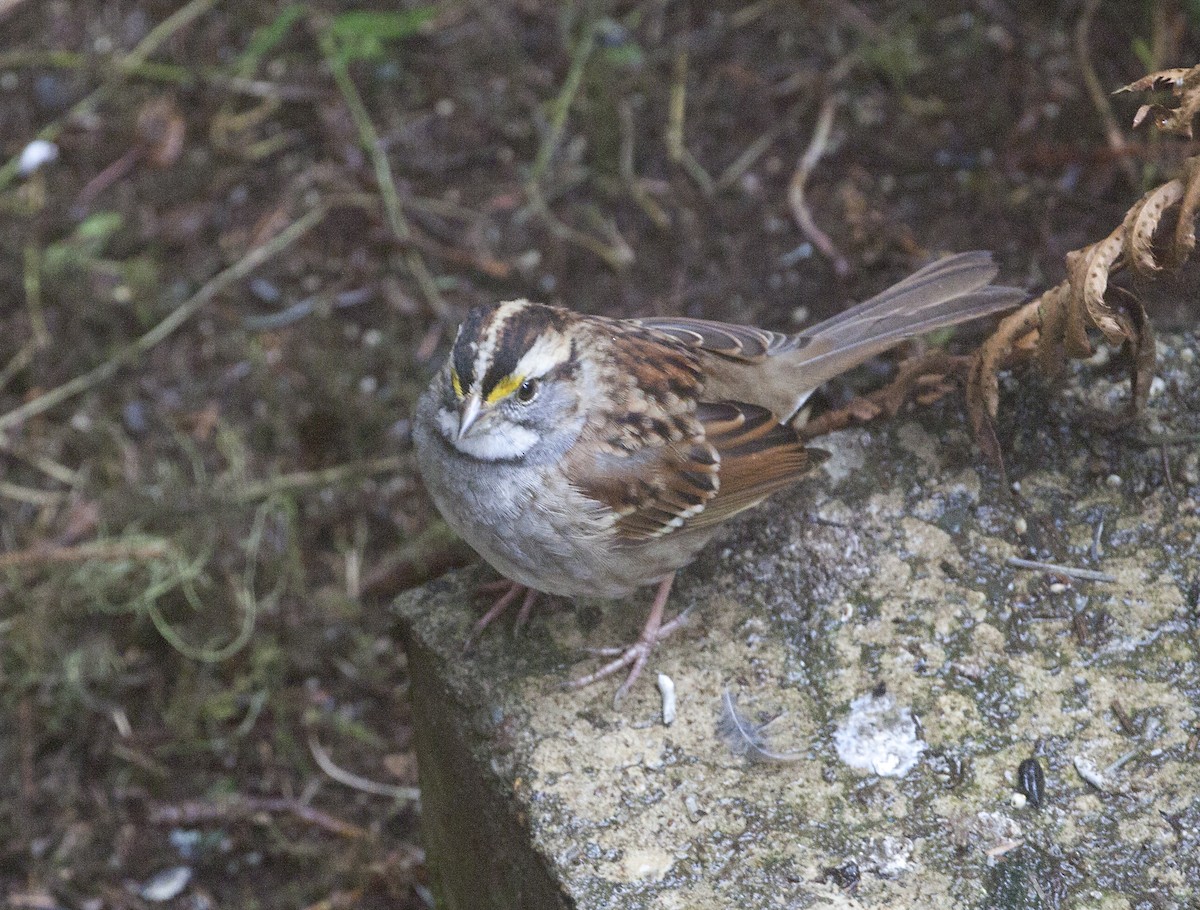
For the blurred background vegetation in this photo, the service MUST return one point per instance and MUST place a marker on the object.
(235, 239)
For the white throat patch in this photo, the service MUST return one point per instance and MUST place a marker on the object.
(487, 440)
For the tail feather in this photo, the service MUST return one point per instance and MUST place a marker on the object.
(942, 294)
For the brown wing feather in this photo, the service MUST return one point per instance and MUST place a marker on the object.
(780, 371)
(759, 456)
(654, 489)
(740, 342)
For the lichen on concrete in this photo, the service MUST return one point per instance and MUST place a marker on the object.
(886, 572)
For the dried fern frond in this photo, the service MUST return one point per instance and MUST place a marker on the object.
(1054, 326)
(1184, 84)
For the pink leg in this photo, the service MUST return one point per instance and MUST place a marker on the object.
(531, 596)
(499, 606)
(636, 655)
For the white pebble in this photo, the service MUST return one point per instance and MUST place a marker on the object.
(666, 686)
(36, 154)
(1020, 525)
(1113, 480)
(1087, 769)
(167, 884)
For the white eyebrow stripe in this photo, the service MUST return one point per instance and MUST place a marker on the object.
(546, 353)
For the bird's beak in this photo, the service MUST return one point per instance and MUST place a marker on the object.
(468, 413)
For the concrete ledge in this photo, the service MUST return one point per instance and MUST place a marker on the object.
(885, 573)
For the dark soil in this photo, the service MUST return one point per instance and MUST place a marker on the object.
(194, 541)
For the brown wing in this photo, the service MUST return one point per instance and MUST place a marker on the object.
(736, 457)
(661, 461)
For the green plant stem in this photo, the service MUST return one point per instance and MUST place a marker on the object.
(368, 138)
(301, 480)
(562, 104)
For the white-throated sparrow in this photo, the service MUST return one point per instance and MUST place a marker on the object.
(581, 455)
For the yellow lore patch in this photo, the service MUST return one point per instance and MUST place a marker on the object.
(456, 383)
(504, 388)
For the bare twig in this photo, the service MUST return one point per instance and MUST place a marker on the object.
(796, 188)
(368, 138)
(99, 551)
(432, 552)
(236, 808)
(301, 480)
(1083, 59)
(1067, 571)
(633, 183)
(677, 150)
(30, 495)
(676, 106)
(924, 378)
(348, 778)
(21, 359)
(618, 255)
(33, 295)
(562, 104)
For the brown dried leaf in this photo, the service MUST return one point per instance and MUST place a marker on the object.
(1185, 227)
(1051, 310)
(1055, 325)
(1184, 85)
(1089, 269)
(983, 388)
(1172, 78)
(1141, 221)
(1141, 341)
(161, 131)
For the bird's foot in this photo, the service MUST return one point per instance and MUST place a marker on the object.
(635, 655)
(508, 592)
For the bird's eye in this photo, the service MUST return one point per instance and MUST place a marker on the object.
(527, 391)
